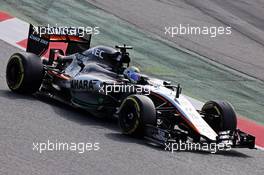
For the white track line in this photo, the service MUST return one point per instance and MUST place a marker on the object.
(13, 30)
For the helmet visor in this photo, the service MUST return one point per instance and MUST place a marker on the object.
(135, 76)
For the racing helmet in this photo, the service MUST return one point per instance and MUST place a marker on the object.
(132, 73)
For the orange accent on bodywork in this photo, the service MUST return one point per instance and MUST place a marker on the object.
(61, 76)
(186, 120)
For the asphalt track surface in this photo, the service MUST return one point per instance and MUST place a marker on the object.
(28, 119)
(242, 51)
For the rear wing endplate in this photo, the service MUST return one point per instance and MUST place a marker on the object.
(38, 43)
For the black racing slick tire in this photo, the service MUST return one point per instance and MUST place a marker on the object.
(135, 113)
(24, 73)
(220, 115)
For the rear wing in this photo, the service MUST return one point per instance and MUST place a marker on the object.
(39, 39)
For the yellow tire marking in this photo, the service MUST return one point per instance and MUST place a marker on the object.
(138, 114)
(21, 72)
(217, 110)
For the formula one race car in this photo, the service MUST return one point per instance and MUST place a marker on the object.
(100, 80)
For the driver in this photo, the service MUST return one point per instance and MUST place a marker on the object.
(132, 74)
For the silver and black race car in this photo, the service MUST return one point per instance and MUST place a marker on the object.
(100, 80)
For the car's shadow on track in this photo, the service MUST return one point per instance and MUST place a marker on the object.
(231, 153)
(124, 138)
(76, 115)
(84, 118)
(119, 137)
(10, 95)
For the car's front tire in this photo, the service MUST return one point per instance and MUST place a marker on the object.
(220, 115)
(135, 113)
(24, 72)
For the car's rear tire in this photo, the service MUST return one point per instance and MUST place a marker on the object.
(135, 113)
(24, 72)
(220, 115)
